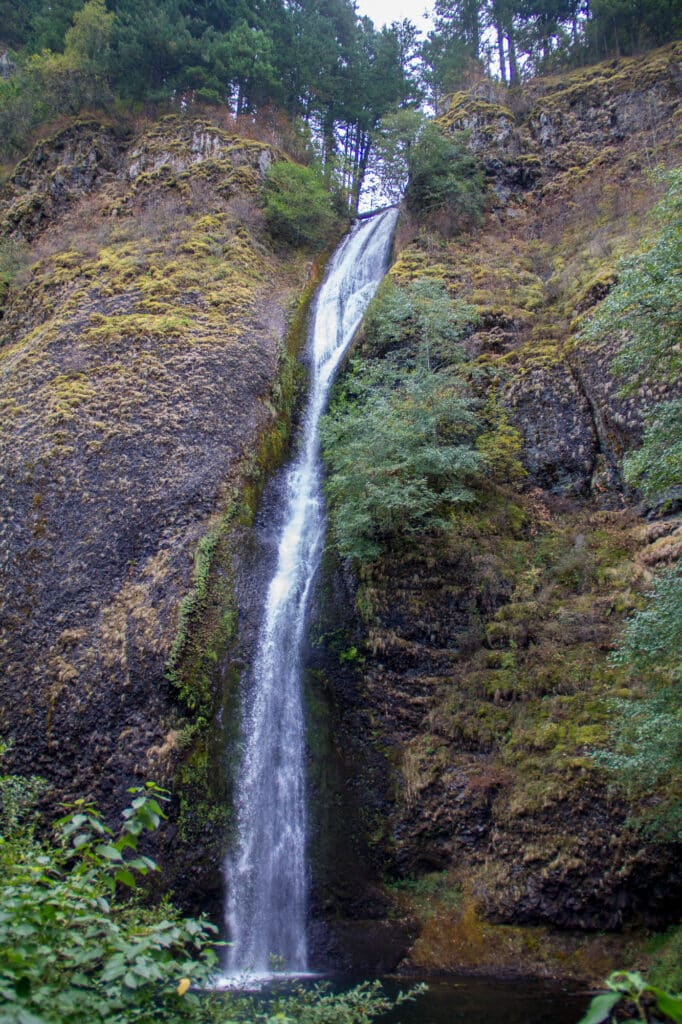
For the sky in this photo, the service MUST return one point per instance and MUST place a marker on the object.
(385, 11)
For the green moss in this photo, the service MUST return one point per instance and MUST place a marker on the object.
(412, 264)
(207, 624)
(666, 966)
(428, 895)
(462, 106)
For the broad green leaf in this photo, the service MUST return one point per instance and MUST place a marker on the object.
(126, 877)
(600, 1008)
(668, 1004)
(108, 851)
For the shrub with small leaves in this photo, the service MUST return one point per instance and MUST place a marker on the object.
(644, 311)
(647, 731)
(298, 206)
(446, 178)
(70, 948)
(398, 444)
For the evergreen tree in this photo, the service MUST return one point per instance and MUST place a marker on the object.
(445, 177)
(50, 23)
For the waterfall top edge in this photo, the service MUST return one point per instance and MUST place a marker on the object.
(367, 215)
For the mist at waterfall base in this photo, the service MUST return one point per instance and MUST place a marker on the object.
(266, 873)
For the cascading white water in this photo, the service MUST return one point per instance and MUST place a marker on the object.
(266, 876)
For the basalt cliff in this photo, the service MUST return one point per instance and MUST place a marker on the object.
(458, 689)
(472, 681)
(147, 385)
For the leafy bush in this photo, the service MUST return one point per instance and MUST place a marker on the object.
(645, 309)
(399, 437)
(647, 747)
(400, 455)
(651, 643)
(628, 996)
(70, 948)
(657, 465)
(298, 206)
(417, 320)
(317, 1005)
(445, 178)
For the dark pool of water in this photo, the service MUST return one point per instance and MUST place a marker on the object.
(449, 1000)
(488, 1001)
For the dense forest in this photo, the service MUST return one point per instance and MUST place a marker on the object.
(330, 73)
(503, 458)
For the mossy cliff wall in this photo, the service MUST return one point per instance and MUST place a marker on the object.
(146, 385)
(480, 673)
(570, 162)
(458, 687)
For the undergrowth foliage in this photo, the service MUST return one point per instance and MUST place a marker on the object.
(399, 438)
(645, 309)
(70, 947)
(630, 997)
(298, 206)
(73, 949)
(404, 442)
(647, 747)
(445, 178)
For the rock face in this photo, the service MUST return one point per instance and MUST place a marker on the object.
(143, 368)
(569, 125)
(58, 172)
(568, 160)
(481, 682)
(458, 689)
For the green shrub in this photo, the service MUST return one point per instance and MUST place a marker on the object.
(416, 320)
(70, 947)
(644, 309)
(445, 178)
(657, 465)
(647, 732)
(298, 206)
(628, 997)
(317, 1005)
(399, 437)
(399, 447)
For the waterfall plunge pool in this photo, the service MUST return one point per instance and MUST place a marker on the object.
(448, 1000)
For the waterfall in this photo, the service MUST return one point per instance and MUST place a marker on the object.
(266, 875)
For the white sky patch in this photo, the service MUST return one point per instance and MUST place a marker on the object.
(383, 12)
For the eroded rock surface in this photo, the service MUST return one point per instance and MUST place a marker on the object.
(141, 364)
(482, 675)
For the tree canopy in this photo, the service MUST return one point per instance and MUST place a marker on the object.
(519, 38)
(316, 59)
(355, 86)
